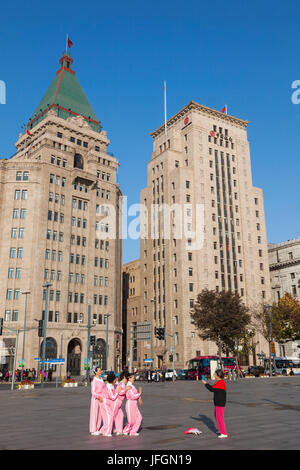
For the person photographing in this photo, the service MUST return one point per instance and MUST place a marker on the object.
(219, 391)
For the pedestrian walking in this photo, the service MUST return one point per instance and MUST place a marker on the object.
(97, 388)
(149, 375)
(219, 391)
(134, 417)
(164, 371)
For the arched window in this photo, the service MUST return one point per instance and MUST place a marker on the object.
(78, 161)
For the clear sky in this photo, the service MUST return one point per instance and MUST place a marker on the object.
(242, 53)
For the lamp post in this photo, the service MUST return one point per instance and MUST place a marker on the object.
(151, 329)
(173, 352)
(106, 316)
(26, 293)
(47, 285)
(270, 338)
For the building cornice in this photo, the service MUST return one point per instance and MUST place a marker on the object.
(284, 264)
(193, 106)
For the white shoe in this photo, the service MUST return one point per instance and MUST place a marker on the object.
(110, 435)
(96, 433)
(222, 436)
(136, 434)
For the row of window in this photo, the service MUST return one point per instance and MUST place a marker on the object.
(56, 217)
(21, 194)
(54, 235)
(79, 204)
(53, 253)
(105, 194)
(76, 222)
(103, 176)
(75, 297)
(17, 232)
(100, 299)
(79, 259)
(52, 275)
(57, 180)
(22, 176)
(101, 262)
(16, 251)
(19, 213)
(58, 161)
(100, 281)
(102, 244)
(14, 273)
(56, 198)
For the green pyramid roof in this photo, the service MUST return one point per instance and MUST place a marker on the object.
(66, 96)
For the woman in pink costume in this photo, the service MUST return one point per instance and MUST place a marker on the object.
(118, 412)
(97, 389)
(134, 417)
(110, 395)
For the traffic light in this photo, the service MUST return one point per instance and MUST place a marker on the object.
(41, 328)
(92, 340)
(1, 326)
(161, 333)
(171, 357)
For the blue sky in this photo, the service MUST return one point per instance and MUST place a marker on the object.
(242, 53)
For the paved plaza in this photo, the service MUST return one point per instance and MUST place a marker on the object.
(261, 413)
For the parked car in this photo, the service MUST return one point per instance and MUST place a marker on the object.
(182, 374)
(170, 373)
(141, 375)
(256, 370)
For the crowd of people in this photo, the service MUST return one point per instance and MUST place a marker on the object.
(28, 374)
(106, 405)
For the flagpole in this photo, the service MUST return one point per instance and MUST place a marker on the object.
(67, 43)
(165, 104)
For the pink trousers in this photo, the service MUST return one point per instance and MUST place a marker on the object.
(219, 414)
(134, 417)
(119, 416)
(107, 412)
(95, 415)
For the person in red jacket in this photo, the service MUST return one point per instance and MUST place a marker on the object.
(219, 391)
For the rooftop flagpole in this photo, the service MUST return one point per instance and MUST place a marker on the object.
(165, 105)
(67, 43)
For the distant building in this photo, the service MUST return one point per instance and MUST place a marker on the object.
(284, 259)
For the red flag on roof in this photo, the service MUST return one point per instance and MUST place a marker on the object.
(70, 44)
(28, 132)
(224, 109)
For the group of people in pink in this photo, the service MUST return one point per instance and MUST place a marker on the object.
(106, 405)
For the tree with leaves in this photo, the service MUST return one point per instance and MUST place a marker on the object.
(221, 317)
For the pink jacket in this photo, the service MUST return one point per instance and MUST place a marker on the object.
(132, 394)
(110, 392)
(97, 387)
(122, 393)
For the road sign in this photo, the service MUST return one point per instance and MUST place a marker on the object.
(148, 360)
(143, 331)
(51, 361)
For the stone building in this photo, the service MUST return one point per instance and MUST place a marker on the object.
(284, 259)
(210, 228)
(59, 201)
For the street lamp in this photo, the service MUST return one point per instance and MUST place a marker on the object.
(47, 285)
(26, 293)
(270, 338)
(106, 316)
(151, 329)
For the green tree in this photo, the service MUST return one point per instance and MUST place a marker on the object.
(221, 317)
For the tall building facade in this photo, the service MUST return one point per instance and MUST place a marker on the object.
(284, 259)
(58, 198)
(210, 228)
